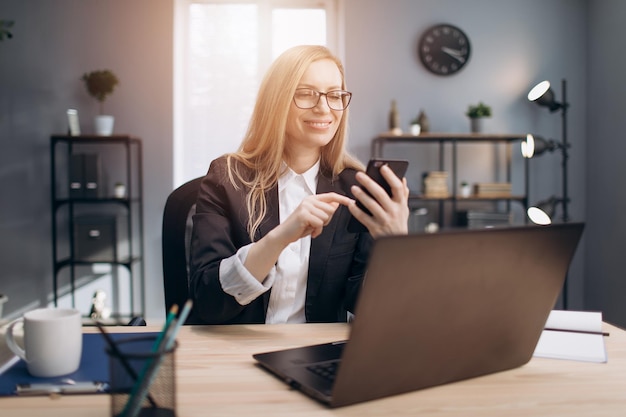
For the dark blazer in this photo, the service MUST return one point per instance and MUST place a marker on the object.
(336, 264)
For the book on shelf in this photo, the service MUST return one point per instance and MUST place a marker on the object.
(436, 184)
(486, 189)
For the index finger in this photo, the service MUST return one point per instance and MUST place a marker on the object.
(335, 198)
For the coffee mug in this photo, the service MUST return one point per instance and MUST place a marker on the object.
(53, 340)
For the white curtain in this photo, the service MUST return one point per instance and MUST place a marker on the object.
(222, 49)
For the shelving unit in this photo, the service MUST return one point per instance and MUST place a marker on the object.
(114, 223)
(453, 140)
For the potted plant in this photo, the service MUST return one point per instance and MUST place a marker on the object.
(119, 190)
(416, 128)
(100, 84)
(477, 113)
(466, 190)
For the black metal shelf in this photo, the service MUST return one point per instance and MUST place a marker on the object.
(455, 139)
(131, 207)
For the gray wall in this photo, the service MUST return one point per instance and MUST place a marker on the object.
(605, 280)
(54, 43)
(515, 44)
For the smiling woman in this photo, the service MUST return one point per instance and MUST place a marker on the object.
(222, 49)
(274, 214)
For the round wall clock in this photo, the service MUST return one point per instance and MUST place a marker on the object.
(444, 49)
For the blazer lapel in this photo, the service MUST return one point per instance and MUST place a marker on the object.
(320, 246)
(270, 221)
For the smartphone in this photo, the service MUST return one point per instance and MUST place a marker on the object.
(398, 166)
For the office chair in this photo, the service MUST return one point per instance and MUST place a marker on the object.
(176, 235)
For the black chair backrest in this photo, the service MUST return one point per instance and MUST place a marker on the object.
(176, 235)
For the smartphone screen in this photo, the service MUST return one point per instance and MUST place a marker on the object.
(398, 166)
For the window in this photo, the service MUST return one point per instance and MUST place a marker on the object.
(222, 50)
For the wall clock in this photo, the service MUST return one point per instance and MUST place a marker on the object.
(444, 49)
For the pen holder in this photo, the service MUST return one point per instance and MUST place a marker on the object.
(135, 369)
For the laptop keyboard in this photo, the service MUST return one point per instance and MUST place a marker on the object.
(326, 370)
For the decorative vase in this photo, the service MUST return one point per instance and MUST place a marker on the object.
(394, 119)
(104, 125)
(423, 121)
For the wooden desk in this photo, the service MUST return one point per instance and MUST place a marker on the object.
(216, 376)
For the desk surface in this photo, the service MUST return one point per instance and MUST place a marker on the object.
(217, 376)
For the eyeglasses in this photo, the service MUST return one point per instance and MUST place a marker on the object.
(305, 98)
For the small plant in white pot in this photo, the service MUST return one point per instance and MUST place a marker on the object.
(100, 84)
(477, 113)
(466, 189)
(416, 128)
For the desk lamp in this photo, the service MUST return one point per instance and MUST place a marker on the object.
(543, 95)
(535, 146)
(542, 213)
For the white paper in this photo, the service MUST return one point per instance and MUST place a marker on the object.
(572, 344)
(586, 321)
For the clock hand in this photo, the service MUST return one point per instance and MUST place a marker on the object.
(454, 53)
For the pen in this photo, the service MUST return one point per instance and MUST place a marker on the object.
(168, 321)
(577, 331)
(171, 338)
(87, 387)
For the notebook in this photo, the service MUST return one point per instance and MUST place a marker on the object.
(438, 308)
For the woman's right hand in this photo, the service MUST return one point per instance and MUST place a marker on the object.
(310, 217)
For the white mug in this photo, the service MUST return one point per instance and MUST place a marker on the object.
(53, 340)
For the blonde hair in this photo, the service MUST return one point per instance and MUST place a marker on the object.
(262, 148)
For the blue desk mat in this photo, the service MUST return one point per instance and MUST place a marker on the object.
(94, 363)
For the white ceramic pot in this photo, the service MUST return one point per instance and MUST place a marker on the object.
(104, 125)
(415, 129)
(477, 124)
(119, 191)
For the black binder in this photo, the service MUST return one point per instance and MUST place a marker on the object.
(76, 178)
(91, 175)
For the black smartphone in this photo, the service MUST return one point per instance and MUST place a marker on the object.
(398, 166)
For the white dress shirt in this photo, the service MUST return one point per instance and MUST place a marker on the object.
(288, 277)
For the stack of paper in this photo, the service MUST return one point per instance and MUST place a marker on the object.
(573, 335)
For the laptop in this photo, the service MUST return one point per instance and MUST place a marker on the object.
(437, 308)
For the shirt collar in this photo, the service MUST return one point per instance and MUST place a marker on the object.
(309, 176)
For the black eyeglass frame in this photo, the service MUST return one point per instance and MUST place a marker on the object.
(319, 96)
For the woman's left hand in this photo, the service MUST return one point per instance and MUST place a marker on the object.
(390, 215)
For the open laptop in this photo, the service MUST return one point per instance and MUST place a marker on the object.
(437, 308)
